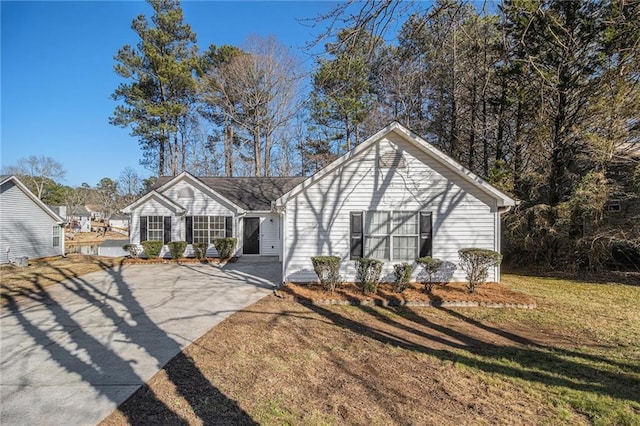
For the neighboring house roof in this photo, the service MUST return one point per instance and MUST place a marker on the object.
(43, 206)
(502, 199)
(249, 193)
(119, 217)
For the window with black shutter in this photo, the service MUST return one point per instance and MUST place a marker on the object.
(143, 228)
(228, 226)
(188, 226)
(356, 235)
(167, 229)
(426, 234)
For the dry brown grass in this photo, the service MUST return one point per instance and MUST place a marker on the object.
(280, 362)
(95, 237)
(17, 281)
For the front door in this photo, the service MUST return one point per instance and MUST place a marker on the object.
(251, 235)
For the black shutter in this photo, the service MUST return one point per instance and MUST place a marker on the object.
(167, 229)
(426, 236)
(143, 228)
(228, 226)
(356, 235)
(188, 226)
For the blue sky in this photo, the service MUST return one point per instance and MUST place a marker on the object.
(57, 73)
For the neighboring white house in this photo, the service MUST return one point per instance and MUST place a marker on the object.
(394, 197)
(119, 221)
(28, 228)
(79, 221)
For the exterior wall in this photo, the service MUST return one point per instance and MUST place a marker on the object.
(196, 203)
(25, 229)
(317, 220)
(270, 239)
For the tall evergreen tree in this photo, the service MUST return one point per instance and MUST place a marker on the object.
(161, 86)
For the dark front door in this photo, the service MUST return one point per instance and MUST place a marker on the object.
(251, 235)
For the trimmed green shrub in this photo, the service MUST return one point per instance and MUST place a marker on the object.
(402, 273)
(200, 250)
(176, 248)
(476, 263)
(431, 266)
(368, 274)
(327, 268)
(152, 248)
(226, 247)
(134, 250)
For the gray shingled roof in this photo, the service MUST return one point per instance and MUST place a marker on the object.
(250, 193)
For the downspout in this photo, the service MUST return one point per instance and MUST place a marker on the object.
(498, 245)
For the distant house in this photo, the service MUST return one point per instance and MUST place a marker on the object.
(395, 197)
(79, 221)
(119, 222)
(28, 228)
(95, 211)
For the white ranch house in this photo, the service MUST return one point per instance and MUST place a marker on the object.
(28, 228)
(394, 197)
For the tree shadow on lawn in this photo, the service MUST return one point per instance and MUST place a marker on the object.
(98, 364)
(519, 358)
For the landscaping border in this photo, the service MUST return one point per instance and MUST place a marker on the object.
(143, 261)
(401, 303)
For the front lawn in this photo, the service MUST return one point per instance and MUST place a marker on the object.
(22, 281)
(573, 360)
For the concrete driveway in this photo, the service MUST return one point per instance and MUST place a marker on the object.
(73, 352)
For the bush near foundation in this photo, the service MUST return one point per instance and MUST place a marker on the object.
(476, 263)
(226, 247)
(327, 268)
(368, 273)
(176, 248)
(152, 248)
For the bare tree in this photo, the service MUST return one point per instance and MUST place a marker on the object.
(36, 170)
(258, 91)
(129, 184)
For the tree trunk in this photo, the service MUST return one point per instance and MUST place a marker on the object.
(256, 152)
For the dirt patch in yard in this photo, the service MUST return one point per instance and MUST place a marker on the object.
(95, 237)
(489, 293)
(280, 362)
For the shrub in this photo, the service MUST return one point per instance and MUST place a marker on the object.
(431, 266)
(368, 274)
(176, 248)
(200, 249)
(134, 250)
(476, 263)
(152, 248)
(402, 273)
(226, 247)
(327, 268)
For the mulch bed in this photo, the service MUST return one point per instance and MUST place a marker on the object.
(493, 295)
(142, 261)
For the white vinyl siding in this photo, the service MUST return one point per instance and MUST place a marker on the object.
(318, 219)
(25, 228)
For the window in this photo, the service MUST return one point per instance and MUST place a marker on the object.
(155, 228)
(405, 236)
(388, 235)
(208, 228)
(55, 232)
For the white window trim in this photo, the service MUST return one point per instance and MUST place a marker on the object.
(55, 233)
(149, 230)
